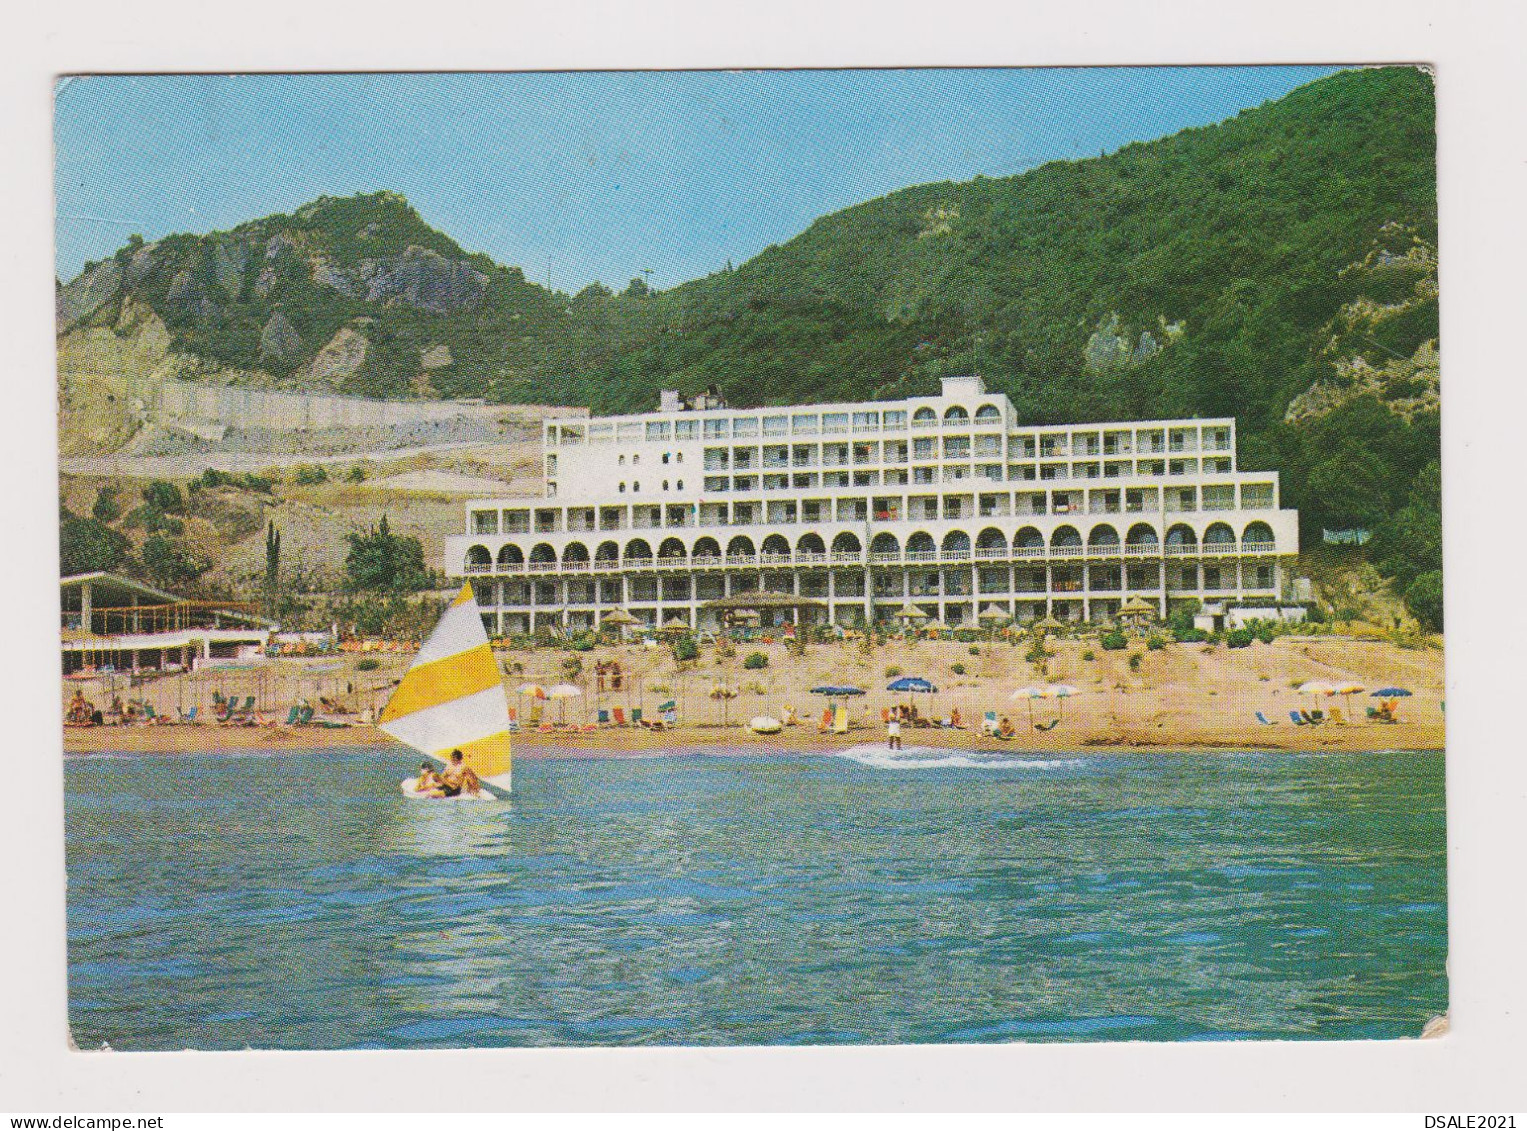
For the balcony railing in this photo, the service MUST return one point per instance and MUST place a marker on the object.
(847, 557)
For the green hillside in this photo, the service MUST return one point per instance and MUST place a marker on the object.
(1279, 267)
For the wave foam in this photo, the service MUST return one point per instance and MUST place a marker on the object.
(936, 758)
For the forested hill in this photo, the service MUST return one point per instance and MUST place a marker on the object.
(1278, 264)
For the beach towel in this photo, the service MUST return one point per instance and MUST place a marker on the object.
(1299, 720)
(1264, 720)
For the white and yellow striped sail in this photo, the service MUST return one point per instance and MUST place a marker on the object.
(452, 697)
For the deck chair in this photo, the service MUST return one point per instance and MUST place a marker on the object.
(989, 723)
(618, 716)
(1264, 720)
(826, 724)
(603, 718)
(1298, 719)
(190, 716)
(291, 716)
(534, 718)
(840, 721)
(1309, 718)
(636, 716)
(305, 715)
(514, 720)
(1317, 716)
(148, 714)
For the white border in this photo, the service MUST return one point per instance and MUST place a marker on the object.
(1478, 52)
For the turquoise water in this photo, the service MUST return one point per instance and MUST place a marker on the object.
(300, 901)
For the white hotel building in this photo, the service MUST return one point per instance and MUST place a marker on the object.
(949, 504)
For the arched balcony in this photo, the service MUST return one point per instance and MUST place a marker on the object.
(955, 416)
(638, 552)
(741, 551)
(1219, 538)
(671, 553)
(1141, 541)
(1103, 541)
(810, 549)
(1180, 539)
(846, 547)
(706, 549)
(478, 560)
(956, 546)
(1066, 542)
(543, 559)
(885, 547)
(775, 550)
(1029, 543)
(575, 556)
(1258, 538)
(991, 543)
(607, 556)
(511, 559)
(921, 548)
(988, 414)
(924, 417)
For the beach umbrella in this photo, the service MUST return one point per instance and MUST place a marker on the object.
(1028, 694)
(1316, 687)
(912, 685)
(1060, 691)
(532, 690)
(833, 691)
(1390, 693)
(1048, 624)
(676, 625)
(563, 692)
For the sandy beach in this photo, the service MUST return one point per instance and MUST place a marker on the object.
(1185, 696)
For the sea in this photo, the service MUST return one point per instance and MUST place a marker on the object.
(300, 901)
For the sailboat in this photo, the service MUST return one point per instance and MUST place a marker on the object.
(452, 698)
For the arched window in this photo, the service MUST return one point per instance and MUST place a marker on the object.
(636, 487)
(956, 415)
(1065, 536)
(510, 555)
(810, 544)
(607, 552)
(776, 544)
(678, 457)
(1219, 534)
(924, 415)
(707, 548)
(543, 553)
(1028, 538)
(637, 548)
(740, 547)
(671, 548)
(621, 461)
(920, 543)
(1103, 535)
(622, 488)
(1141, 534)
(956, 542)
(1181, 535)
(987, 412)
(636, 459)
(991, 539)
(885, 543)
(575, 552)
(846, 543)
(479, 558)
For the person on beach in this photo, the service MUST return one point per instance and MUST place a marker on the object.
(428, 781)
(893, 732)
(1005, 728)
(458, 777)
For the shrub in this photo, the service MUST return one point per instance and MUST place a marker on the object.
(357, 474)
(958, 669)
(1134, 660)
(163, 496)
(1264, 630)
(1239, 638)
(583, 642)
(308, 476)
(106, 508)
(1189, 635)
(1114, 641)
(974, 651)
(1423, 598)
(685, 649)
(1155, 643)
(367, 664)
(572, 667)
(893, 672)
(755, 660)
(1089, 655)
(1038, 654)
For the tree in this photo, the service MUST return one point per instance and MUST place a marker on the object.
(637, 288)
(1424, 599)
(163, 496)
(106, 508)
(382, 562)
(168, 563)
(272, 556)
(87, 546)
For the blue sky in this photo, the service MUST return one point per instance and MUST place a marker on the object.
(593, 175)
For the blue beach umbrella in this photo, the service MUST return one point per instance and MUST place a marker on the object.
(837, 692)
(1390, 693)
(911, 683)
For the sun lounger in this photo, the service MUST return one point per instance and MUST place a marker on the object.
(636, 716)
(825, 724)
(1298, 719)
(190, 716)
(292, 715)
(989, 723)
(1264, 720)
(514, 720)
(1051, 725)
(618, 715)
(603, 717)
(1317, 716)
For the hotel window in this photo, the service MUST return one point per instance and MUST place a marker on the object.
(665, 457)
(745, 426)
(601, 433)
(1218, 465)
(1021, 446)
(715, 429)
(893, 419)
(659, 430)
(924, 448)
(636, 487)
(776, 425)
(715, 483)
(632, 431)
(866, 421)
(551, 465)
(835, 422)
(1211, 577)
(1257, 496)
(665, 484)
(621, 460)
(1219, 497)
(622, 488)
(1021, 471)
(678, 457)
(804, 423)
(636, 459)
(685, 429)
(1150, 467)
(1264, 577)
(485, 522)
(1184, 467)
(804, 479)
(956, 447)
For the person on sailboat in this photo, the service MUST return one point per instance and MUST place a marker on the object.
(458, 776)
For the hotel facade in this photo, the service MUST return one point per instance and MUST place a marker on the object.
(943, 507)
